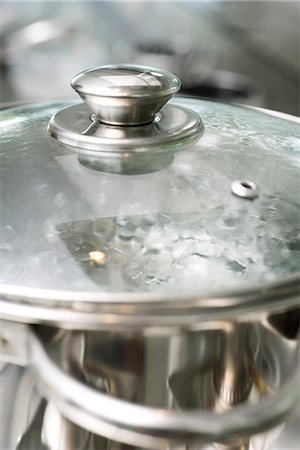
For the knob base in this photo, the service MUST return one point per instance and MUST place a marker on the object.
(173, 129)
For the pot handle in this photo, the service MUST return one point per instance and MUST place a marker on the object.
(151, 427)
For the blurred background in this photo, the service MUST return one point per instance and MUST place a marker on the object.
(233, 51)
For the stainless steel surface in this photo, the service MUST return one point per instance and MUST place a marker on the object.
(234, 379)
(126, 133)
(13, 342)
(156, 427)
(23, 423)
(21, 401)
(94, 311)
(173, 369)
(122, 149)
(49, 430)
(124, 94)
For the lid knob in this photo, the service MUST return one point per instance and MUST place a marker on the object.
(125, 94)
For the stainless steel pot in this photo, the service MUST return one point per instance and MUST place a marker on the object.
(151, 279)
(84, 375)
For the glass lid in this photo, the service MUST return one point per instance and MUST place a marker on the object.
(214, 215)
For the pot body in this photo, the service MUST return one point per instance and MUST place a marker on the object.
(216, 367)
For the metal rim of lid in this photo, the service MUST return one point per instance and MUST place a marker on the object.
(87, 310)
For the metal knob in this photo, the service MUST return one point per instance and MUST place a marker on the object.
(125, 94)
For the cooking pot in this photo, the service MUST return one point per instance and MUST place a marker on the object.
(150, 275)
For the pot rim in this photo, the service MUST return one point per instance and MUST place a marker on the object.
(72, 309)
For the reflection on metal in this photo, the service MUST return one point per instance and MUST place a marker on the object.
(13, 342)
(126, 149)
(134, 368)
(169, 370)
(49, 430)
(286, 324)
(130, 130)
(32, 437)
(128, 163)
(235, 375)
(124, 94)
(245, 189)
